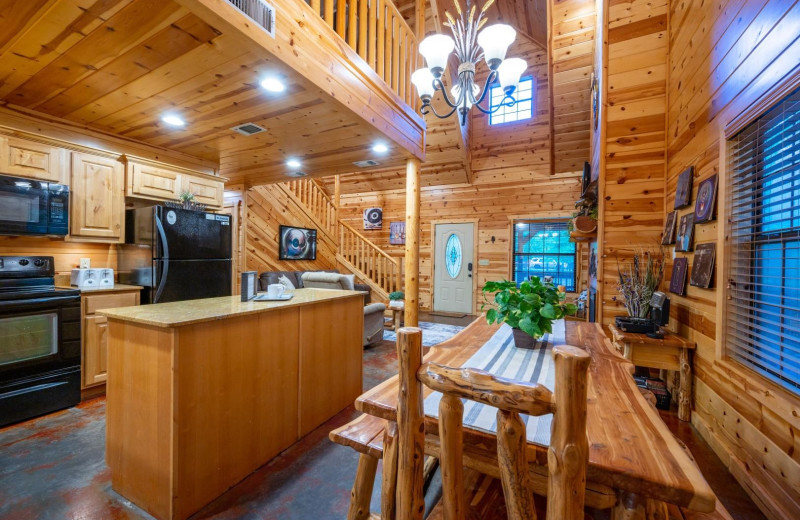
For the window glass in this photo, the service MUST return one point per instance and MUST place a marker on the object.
(522, 109)
(543, 249)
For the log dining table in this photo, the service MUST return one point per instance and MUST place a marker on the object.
(632, 454)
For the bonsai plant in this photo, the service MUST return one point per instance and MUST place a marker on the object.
(530, 308)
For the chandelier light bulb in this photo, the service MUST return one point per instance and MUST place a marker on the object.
(423, 80)
(509, 73)
(436, 49)
(495, 40)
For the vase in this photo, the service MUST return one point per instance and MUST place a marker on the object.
(523, 339)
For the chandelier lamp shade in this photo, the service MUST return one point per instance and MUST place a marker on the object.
(470, 42)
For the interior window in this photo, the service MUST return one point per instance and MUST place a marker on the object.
(543, 249)
(523, 109)
(763, 312)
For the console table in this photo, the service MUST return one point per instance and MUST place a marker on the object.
(671, 352)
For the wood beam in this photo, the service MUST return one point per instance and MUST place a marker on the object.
(411, 313)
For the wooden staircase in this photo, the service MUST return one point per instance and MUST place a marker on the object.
(355, 252)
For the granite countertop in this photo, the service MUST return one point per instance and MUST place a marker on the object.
(117, 287)
(177, 314)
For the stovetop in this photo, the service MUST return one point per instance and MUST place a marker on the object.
(24, 277)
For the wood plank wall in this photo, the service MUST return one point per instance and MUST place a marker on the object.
(269, 207)
(66, 255)
(572, 48)
(634, 150)
(724, 56)
(512, 178)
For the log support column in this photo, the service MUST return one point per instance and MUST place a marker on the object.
(412, 244)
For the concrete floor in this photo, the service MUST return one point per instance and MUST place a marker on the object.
(53, 467)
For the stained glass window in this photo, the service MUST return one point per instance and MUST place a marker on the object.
(452, 255)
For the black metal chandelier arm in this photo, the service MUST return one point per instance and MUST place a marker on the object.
(438, 85)
(487, 86)
(428, 108)
(510, 103)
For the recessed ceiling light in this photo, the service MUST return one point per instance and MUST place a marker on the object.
(380, 148)
(273, 85)
(293, 163)
(173, 120)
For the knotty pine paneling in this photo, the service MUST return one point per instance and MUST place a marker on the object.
(66, 255)
(633, 147)
(269, 207)
(724, 56)
(572, 42)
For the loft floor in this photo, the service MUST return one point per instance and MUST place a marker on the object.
(54, 467)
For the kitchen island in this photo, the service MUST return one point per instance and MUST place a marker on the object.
(201, 393)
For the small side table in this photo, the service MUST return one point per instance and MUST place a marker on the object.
(670, 353)
(398, 308)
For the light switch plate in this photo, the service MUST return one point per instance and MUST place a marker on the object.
(85, 263)
(483, 262)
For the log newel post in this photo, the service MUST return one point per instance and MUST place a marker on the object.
(569, 449)
(410, 503)
(412, 243)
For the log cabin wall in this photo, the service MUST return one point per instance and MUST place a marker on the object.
(511, 179)
(725, 55)
(269, 207)
(632, 156)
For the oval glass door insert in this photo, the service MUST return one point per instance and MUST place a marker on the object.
(452, 256)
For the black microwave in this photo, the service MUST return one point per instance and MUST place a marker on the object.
(30, 207)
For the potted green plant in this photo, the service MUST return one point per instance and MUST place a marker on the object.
(530, 308)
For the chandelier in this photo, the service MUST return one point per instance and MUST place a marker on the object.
(471, 42)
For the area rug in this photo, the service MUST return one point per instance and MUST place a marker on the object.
(432, 333)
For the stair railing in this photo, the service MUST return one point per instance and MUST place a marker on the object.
(381, 270)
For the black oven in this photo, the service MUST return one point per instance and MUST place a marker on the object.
(29, 207)
(40, 341)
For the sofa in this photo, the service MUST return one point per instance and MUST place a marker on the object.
(373, 312)
(270, 277)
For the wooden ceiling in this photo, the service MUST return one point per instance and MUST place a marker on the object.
(117, 66)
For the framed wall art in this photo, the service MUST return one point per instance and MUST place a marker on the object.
(668, 237)
(685, 233)
(297, 243)
(706, 200)
(703, 265)
(683, 192)
(373, 218)
(677, 283)
(397, 233)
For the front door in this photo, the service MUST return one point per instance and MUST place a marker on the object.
(452, 268)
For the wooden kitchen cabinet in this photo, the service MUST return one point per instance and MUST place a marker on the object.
(94, 359)
(34, 160)
(146, 179)
(205, 190)
(151, 182)
(97, 205)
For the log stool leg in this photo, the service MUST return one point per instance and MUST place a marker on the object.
(630, 506)
(361, 495)
(685, 391)
(389, 475)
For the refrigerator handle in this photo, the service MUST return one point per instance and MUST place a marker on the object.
(165, 257)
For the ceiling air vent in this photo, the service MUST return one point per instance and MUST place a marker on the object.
(248, 129)
(298, 174)
(366, 164)
(259, 11)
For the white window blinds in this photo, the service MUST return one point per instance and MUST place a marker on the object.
(763, 308)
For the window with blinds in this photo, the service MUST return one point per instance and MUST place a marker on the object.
(763, 310)
(543, 249)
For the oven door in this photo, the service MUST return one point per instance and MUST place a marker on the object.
(39, 335)
(23, 206)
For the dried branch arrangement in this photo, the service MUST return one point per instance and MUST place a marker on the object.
(639, 278)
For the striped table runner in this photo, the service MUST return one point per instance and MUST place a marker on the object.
(501, 358)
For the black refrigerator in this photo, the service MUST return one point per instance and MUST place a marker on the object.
(176, 254)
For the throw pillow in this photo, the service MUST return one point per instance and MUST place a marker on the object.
(350, 280)
(283, 280)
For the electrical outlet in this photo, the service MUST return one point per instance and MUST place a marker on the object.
(85, 263)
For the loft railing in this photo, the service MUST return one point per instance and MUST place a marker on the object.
(318, 202)
(376, 30)
(380, 270)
